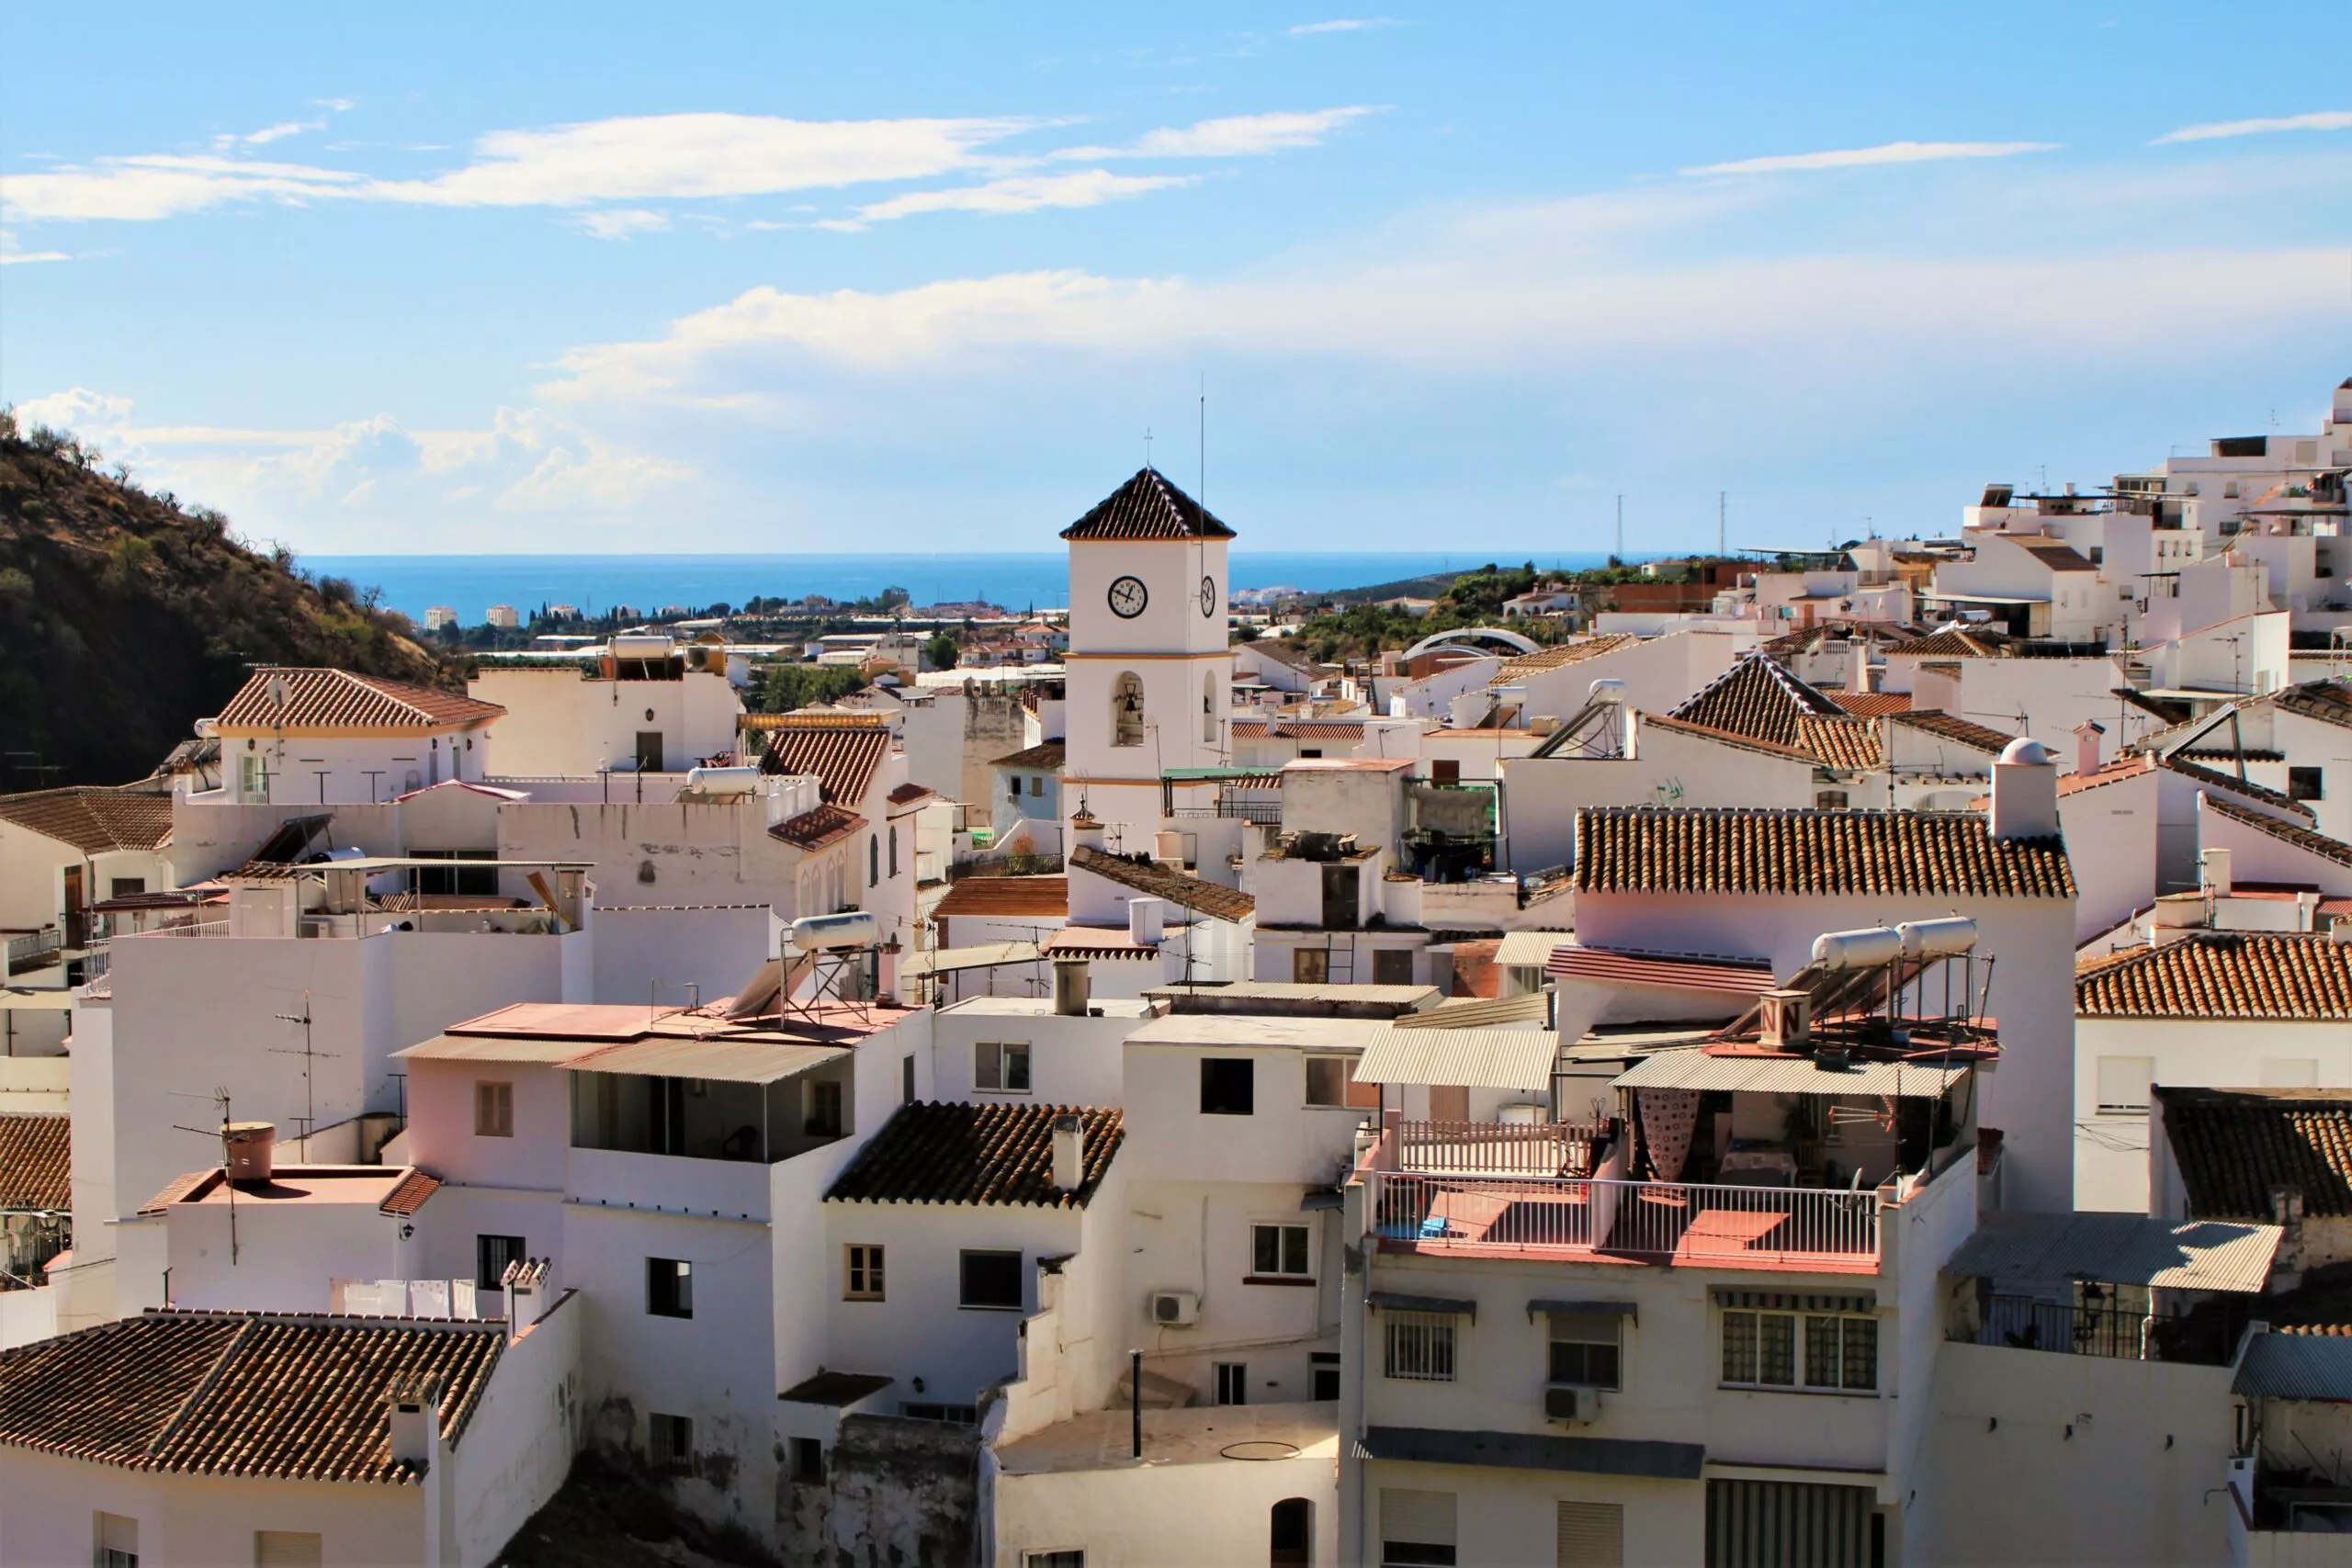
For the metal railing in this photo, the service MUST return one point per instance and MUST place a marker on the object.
(1265, 813)
(194, 929)
(1499, 1149)
(1655, 1220)
(2021, 1323)
(23, 950)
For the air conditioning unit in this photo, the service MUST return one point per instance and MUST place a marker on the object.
(1175, 1309)
(1571, 1403)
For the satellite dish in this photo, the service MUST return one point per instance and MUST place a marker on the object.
(281, 694)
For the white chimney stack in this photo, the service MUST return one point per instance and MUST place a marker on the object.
(2024, 792)
(1858, 665)
(415, 1415)
(1147, 920)
(1085, 833)
(2086, 757)
(2216, 862)
(1070, 1151)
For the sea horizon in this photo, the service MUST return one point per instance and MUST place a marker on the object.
(649, 583)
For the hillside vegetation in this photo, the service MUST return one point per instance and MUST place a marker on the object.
(125, 617)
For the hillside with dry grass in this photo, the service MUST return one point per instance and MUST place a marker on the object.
(126, 616)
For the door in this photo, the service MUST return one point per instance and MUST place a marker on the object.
(1340, 886)
(78, 916)
(1449, 1102)
(649, 750)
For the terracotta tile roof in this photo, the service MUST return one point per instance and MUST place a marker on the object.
(2304, 838)
(1097, 942)
(2238, 975)
(179, 1189)
(338, 699)
(1949, 644)
(1650, 849)
(1280, 652)
(294, 1398)
(1726, 737)
(843, 750)
(1557, 657)
(410, 1195)
(1037, 897)
(1320, 728)
(815, 829)
(2056, 555)
(2217, 779)
(1759, 699)
(2330, 702)
(910, 793)
(1954, 728)
(1249, 729)
(2235, 1144)
(92, 818)
(1474, 970)
(1871, 704)
(2113, 772)
(37, 1163)
(1046, 755)
(1147, 507)
(1210, 899)
(975, 1154)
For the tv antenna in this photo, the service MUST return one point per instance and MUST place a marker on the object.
(219, 1097)
(309, 1053)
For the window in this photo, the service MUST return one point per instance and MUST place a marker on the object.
(894, 849)
(1232, 1382)
(1591, 1535)
(118, 1541)
(1310, 966)
(1829, 800)
(862, 1274)
(1279, 1252)
(1310, 751)
(1415, 1529)
(1760, 1350)
(125, 886)
(1323, 1368)
(669, 1441)
(1392, 966)
(931, 1410)
(1127, 709)
(1016, 788)
(2306, 783)
(253, 781)
(669, 1287)
(1036, 785)
(824, 1109)
(288, 1549)
(1585, 1347)
(1420, 1346)
(1228, 1085)
(808, 1461)
(1445, 770)
(1290, 1534)
(991, 1281)
(2123, 1085)
(491, 1255)
(1327, 1079)
(494, 1109)
(1001, 1068)
(873, 861)
(906, 1080)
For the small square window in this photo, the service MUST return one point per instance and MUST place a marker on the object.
(861, 1273)
(493, 1109)
(1001, 1068)
(1279, 1251)
(1586, 1349)
(1392, 966)
(2124, 1084)
(669, 1287)
(288, 1549)
(991, 1280)
(1327, 1079)
(1036, 785)
(1232, 1382)
(2306, 783)
(808, 1461)
(125, 886)
(1420, 1346)
(669, 1441)
(492, 1256)
(1228, 1085)
(1053, 1560)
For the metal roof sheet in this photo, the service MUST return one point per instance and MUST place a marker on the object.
(1227, 1030)
(1481, 1013)
(1688, 1068)
(1601, 966)
(1531, 949)
(2118, 1249)
(981, 956)
(727, 1058)
(1475, 1058)
(1524, 1451)
(2295, 1366)
(495, 1049)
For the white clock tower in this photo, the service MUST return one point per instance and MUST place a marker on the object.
(1150, 676)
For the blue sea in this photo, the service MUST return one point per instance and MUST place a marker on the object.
(471, 584)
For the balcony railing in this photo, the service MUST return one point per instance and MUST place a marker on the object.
(1265, 813)
(33, 947)
(1499, 1149)
(1658, 1221)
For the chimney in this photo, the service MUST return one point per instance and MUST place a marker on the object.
(251, 1149)
(1787, 1019)
(2216, 862)
(1858, 665)
(1085, 833)
(2024, 792)
(1070, 988)
(2306, 911)
(1147, 920)
(2086, 736)
(415, 1417)
(1070, 1151)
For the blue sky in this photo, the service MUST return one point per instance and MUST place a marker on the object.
(583, 278)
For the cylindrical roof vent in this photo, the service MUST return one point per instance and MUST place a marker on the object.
(251, 1150)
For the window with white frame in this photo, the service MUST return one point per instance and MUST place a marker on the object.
(1419, 1345)
(2123, 1085)
(494, 1109)
(1232, 1382)
(1826, 1351)
(1001, 1068)
(1280, 1252)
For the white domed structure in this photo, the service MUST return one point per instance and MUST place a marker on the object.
(2027, 751)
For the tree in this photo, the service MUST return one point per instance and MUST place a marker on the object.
(941, 651)
(783, 687)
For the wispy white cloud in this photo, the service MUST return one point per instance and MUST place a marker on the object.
(1344, 24)
(1863, 157)
(1233, 136)
(2327, 119)
(620, 222)
(266, 134)
(1017, 193)
(11, 252)
(337, 106)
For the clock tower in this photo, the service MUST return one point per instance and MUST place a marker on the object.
(1150, 671)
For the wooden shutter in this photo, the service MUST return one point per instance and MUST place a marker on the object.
(1423, 1517)
(1592, 1535)
(288, 1549)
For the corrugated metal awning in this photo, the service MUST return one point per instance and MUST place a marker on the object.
(982, 955)
(1470, 1058)
(1601, 966)
(1396, 1301)
(2009, 1247)
(496, 1048)
(1530, 949)
(1528, 1451)
(727, 1060)
(1691, 1069)
(1481, 1012)
(2296, 1366)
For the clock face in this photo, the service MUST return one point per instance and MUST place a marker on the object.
(1128, 597)
(1208, 596)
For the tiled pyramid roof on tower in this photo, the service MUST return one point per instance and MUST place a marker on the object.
(1758, 699)
(1147, 507)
